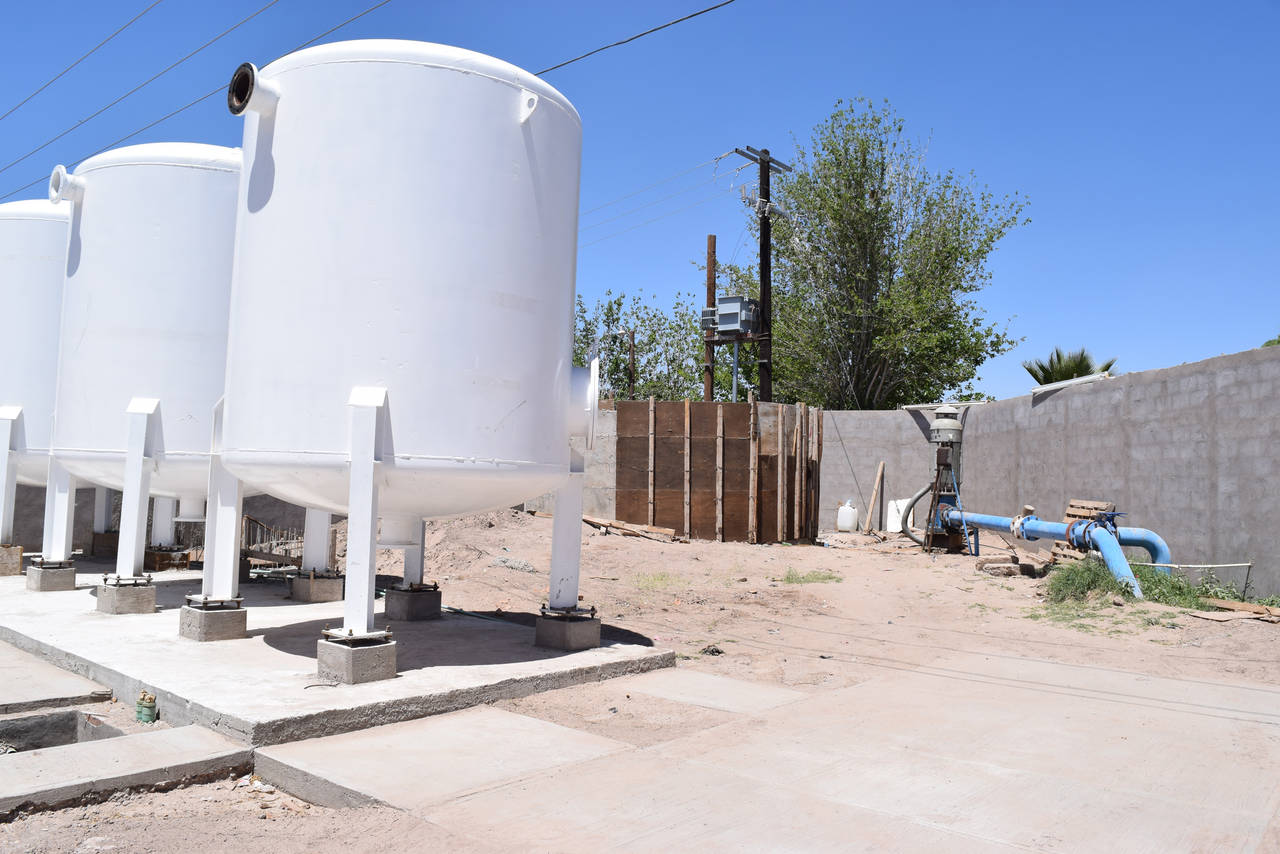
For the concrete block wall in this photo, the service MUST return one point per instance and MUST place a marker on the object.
(599, 490)
(1190, 452)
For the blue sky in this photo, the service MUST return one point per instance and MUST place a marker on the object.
(1144, 135)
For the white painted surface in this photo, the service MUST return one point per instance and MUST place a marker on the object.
(33, 251)
(145, 297)
(407, 220)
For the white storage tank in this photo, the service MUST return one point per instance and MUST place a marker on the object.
(407, 221)
(144, 311)
(33, 248)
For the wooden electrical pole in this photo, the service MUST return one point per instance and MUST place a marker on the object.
(709, 358)
(764, 337)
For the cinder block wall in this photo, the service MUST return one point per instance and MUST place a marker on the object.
(1191, 452)
(599, 490)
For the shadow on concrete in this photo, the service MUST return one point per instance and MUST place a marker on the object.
(455, 640)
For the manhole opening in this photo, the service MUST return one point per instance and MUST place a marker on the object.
(22, 732)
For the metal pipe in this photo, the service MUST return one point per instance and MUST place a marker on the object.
(1149, 540)
(1094, 535)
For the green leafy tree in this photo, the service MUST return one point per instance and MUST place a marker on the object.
(875, 268)
(668, 347)
(1062, 365)
(1273, 342)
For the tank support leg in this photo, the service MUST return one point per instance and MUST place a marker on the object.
(143, 449)
(370, 448)
(163, 511)
(101, 509)
(10, 437)
(59, 514)
(215, 614)
(413, 555)
(563, 624)
(315, 541)
(566, 544)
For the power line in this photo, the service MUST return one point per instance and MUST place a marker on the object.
(191, 104)
(718, 195)
(687, 189)
(636, 36)
(91, 52)
(149, 80)
(668, 180)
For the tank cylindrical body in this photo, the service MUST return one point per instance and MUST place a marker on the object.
(33, 251)
(145, 298)
(407, 219)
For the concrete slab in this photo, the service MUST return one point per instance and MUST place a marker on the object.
(712, 691)
(308, 588)
(91, 770)
(27, 682)
(435, 759)
(263, 688)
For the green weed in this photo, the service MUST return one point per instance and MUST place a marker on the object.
(817, 576)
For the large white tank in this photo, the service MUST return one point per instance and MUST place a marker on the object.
(407, 219)
(33, 250)
(144, 308)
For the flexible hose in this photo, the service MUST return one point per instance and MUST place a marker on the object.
(906, 514)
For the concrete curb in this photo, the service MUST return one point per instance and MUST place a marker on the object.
(57, 777)
(309, 787)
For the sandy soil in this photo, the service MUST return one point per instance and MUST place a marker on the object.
(858, 609)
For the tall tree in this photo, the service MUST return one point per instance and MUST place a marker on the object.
(1062, 365)
(668, 349)
(876, 262)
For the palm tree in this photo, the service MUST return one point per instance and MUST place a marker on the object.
(1065, 366)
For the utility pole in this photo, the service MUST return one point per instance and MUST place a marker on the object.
(764, 337)
(709, 358)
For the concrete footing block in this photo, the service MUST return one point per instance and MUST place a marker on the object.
(304, 588)
(213, 624)
(127, 598)
(45, 579)
(412, 605)
(568, 634)
(352, 665)
(10, 560)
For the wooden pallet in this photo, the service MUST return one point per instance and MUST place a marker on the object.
(1078, 509)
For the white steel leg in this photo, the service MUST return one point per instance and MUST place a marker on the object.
(101, 509)
(413, 556)
(367, 411)
(10, 430)
(315, 541)
(222, 523)
(566, 544)
(144, 417)
(59, 514)
(163, 512)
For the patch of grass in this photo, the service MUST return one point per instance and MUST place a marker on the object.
(1090, 579)
(817, 576)
(656, 581)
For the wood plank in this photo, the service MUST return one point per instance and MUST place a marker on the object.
(875, 496)
(652, 415)
(817, 472)
(753, 463)
(782, 475)
(1250, 607)
(687, 457)
(795, 478)
(720, 472)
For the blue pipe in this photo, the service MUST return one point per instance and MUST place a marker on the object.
(1149, 540)
(1095, 535)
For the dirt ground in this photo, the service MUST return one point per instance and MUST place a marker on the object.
(821, 617)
